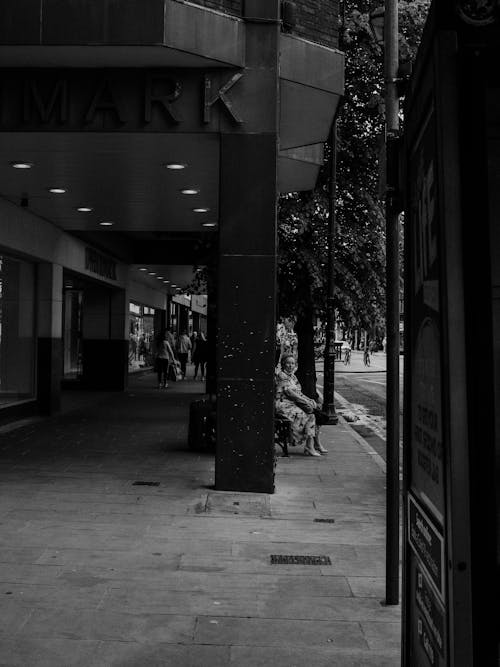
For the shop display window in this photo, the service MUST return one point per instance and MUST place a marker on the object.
(72, 358)
(17, 322)
(141, 336)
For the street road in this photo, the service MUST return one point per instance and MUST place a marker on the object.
(360, 396)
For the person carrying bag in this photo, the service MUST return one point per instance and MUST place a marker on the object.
(164, 357)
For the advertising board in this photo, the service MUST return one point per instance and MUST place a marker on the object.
(426, 483)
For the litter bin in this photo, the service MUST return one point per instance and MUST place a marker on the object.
(201, 432)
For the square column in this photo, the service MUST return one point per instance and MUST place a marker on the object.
(246, 315)
(105, 338)
(49, 336)
(246, 285)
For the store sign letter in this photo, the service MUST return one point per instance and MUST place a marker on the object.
(163, 92)
(212, 97)
(34, 101)
(103, 100)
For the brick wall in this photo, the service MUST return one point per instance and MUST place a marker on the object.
(317, 20)
(229, 6)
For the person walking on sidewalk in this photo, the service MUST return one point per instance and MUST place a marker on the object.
(199, 355)
(183, 348)
(164, 356)
(298, 408)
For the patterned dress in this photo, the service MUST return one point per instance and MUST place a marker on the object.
(292, 404)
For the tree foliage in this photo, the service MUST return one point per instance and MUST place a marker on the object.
(359, 246)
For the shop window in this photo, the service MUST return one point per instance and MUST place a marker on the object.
(73, 299)
(17, 341)
(141, 336)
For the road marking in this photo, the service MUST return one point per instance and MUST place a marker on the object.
(372, 381)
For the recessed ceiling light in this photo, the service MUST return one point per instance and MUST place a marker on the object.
(152, 273)
(22, 165)
(166, 281)
(189, 191)
(84, 209)
(209, 224)
(143, 268)
(172, 285)
(175, 165)
(201, 210)
(106, 223)
(57, 191)
(159, 277)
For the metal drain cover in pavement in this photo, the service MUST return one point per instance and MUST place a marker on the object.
(324, 520)
(146, 484)
(300, 560)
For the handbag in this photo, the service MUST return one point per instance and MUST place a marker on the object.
(174, 371)
(321, 417)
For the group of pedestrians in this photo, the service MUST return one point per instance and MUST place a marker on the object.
(172, 354)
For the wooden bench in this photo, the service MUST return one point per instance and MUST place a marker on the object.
(282, 433)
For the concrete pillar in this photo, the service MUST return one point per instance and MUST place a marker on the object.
(183, 319)
(159, 321)
(105, 338)
(49, 336)
(246, 293)
(210, 371)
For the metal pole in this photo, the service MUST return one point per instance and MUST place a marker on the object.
(329, 355)
(392, 306)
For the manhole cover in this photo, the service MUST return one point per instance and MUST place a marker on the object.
(278, 559)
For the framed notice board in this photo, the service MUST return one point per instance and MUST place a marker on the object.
(436, 533)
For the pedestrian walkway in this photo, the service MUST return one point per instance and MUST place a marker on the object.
(116, 550)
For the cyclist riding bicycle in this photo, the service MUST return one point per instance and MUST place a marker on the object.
(346, 349)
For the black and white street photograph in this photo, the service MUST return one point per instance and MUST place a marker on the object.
(249, 333)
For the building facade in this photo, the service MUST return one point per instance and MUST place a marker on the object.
(137, 141)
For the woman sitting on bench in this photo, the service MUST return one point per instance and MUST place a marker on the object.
(298, 408)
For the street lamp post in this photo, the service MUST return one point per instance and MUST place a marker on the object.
(387, 17)
(329, 354)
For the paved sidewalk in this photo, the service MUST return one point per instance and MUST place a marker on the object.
(97, 570)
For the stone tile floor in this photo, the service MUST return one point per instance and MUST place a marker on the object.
(97, 571)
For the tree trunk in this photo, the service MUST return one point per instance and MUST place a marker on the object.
(306, 372)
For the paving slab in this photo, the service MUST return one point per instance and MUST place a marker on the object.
(106, 626)
(97, 570)
(277, 632)
(293, 656)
